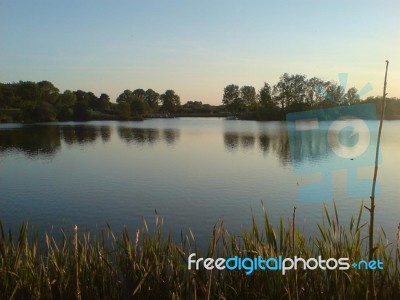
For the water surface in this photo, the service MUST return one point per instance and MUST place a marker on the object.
(193, 172)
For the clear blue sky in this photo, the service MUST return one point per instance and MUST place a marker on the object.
(197, 47)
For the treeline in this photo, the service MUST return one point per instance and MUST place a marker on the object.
(139, 103)
(27, 101)
(294, 93)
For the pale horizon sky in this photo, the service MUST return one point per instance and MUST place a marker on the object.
(197, 47)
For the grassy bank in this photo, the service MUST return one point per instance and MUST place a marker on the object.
(140, 265)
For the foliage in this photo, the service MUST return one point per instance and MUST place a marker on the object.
(153, 266)
(153, 99)
(170, 101)
(293, 93)
(43, 102)
(124, 111)
(27, 101)
(231, 99)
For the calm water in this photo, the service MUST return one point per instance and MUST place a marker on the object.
(192, 171)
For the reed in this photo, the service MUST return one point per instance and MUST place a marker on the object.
(154, 266)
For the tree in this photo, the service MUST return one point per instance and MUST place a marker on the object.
(48, 92)
(335, 93)
(81, 111)
(290, 92)
(124, 110)
(8, 96)
(93, 101)
(352, 96)
(264, 95)
(3, 101)
(81, 106)
(138, 103)
(139, 107)
(267, 109)
(170, 101)
(67, 98)
(315, 91)
(27, 91)
(248, 96)
(152, 99)
(126, 96)
(140, 93)
(39, 112)
(104, 102)
(231, 99)
(65, 106)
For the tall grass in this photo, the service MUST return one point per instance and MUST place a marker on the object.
(154, 266)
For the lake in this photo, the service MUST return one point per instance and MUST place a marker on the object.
(192, 171)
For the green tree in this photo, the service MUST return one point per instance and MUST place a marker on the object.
(315, 91)
(138, 103)
(170, 101)
(139, 93)
(193, 107)
(81, 106)
(335, 93)
(93, 101)
(231, 99)
(48, 92)
(67, 98)
(125, 96)
(139, 107)
(2, 96)
(104, 102)
(152, 99)
(8, 96)
(267, 109)
(65, 106)
(291, 92)
(352, 96)
(248, 96)
(124, 110)
(65, 113)
(265, 96)
(27, 91)
(38, 112)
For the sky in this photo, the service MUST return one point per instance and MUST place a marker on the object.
(198, 47)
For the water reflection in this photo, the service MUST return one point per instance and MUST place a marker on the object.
(247, 141)
(210, 182)
(138, 135)
(275, 141)
(265, 142)
(302, 146)
(32, 141)
(80, 134)
(171, 135)
(35, 140)
(231, 140)
(280, 146)
(45, 140)
(105, 133)
(308, 145)
(148, 135)
(234, 140)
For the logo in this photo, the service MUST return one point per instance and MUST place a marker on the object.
(251, 264)
(328, 140)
